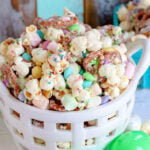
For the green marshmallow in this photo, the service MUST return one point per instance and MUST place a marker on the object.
(69, 102)
(74, 27)
(89, 76)
(40, 33)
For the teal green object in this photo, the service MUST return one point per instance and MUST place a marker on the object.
(134, 140)
(26, 56)
(86, 84)
(68, 71)
(88, 76)
(145, 80)
(74, 27)
(40, 33)
(47, 8)
(81, 71)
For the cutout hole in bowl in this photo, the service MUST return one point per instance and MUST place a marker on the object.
(112, 116)
(37, 123)
(19, 133)
(39, 141)
(63, 145)
(90, 123)
(89, 142)
(63, 126)
(15, 114)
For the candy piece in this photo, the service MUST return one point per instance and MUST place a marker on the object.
(68, 71)
(105, 99)
(40, 33)
(146, 127)
(86, 84)
(134, 123)
(45, 44)
(69, 102)
(134, 140)
(36, 40)
(74, 27)
(10, 79)
(26, 56)
(130, 69)
(94, 102)
(81, 71)
(37, 72)
(96, 90)
(52, 46)
(21, 96)
(41, 102)
(89, 76)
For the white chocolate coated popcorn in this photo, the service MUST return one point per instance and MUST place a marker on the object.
(39, 55)
(32, 87)
(78, 45)
(113, 92)
(107, 70)
(124, 82)
(21, 67)
(122, 13)
(15, 49)
(46, 83)
(94, 102)
(75, 81)
(60, 82)
(106, 42)
(53, 34)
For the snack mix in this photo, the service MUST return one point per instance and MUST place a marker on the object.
(135, 17)
(62, 64)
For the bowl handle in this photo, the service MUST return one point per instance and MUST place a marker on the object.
(144, 62)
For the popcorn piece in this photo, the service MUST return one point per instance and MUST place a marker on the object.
(32, 89)
(107, 70)
(113, 92)
(41, 102)
(75, 81)
(94, 102)
(125, 25)
(60, 82)
(124, 82)
(78, 45)
(53, 34)
(39, 55)
(69, 102)
(96, 90)
(21, 67)
(106, 42)
(47, 83)
(122, 13)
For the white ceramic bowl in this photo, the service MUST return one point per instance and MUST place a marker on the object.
(105, 129)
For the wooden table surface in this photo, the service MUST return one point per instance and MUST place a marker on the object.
(141, 108)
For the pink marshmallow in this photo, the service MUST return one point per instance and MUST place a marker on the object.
(36, 40)
(45, 44)
(52, 46)
(41, 103)
(95, 89)
(130, 69)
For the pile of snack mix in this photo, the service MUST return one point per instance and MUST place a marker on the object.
(135, 16)
(62, 64)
